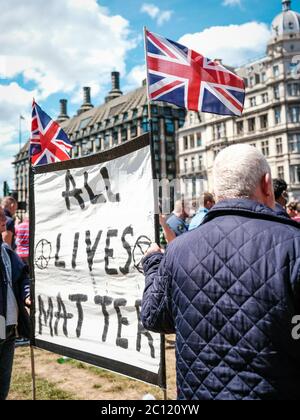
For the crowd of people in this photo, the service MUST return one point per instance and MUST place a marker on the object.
(185, 219)
(227, 284)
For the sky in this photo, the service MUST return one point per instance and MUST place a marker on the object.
(50, 50)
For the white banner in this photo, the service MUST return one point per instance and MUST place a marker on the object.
(92, 227)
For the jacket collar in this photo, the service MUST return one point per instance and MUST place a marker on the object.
(247, 208)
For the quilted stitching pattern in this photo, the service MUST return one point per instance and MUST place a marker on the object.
(233, 287)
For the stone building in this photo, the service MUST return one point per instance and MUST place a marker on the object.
(271, 119)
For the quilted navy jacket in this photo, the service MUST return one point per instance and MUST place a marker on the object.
(229, 290)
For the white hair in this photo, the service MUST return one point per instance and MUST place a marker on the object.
(238, 170)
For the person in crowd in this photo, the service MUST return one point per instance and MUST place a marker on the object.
(10, 206)
(177, 221)
(230, 290)
(207, 202)
(292, 209)
(281, 197)
(297, 217)
(22, 239)
(14, 295)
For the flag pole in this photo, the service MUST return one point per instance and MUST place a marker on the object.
(155, 175)
(31, 269)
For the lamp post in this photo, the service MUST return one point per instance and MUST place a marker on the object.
(20, 131)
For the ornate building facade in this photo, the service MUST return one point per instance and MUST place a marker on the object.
(120, 119)
(270, 122)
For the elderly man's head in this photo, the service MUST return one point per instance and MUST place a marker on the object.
(241, 171)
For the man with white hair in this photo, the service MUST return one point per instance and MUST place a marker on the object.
(230, 291)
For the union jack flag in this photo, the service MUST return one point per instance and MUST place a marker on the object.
(185, 78)
(48, 143)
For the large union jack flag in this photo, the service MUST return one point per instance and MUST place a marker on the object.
(185, 78)
(49, 143)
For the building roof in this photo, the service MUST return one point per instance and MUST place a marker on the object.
(287, 22)
(107, 111)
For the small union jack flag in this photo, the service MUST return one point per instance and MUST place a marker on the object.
(185, 78)
(48, 143)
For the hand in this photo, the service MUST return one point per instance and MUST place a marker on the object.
(163, 220)
(28, 302)
(154, 249)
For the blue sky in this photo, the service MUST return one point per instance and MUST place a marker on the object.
(52, 52)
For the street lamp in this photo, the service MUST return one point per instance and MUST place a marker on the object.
(20, 131)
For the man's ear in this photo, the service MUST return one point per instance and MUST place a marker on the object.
(267, 185)
(268, 191)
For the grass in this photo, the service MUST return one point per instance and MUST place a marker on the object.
(22, 389)
(75, 380)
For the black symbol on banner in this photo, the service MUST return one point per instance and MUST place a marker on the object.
(140, 248)
(43, 252)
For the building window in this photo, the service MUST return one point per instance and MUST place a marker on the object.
(277, 115)
(240, 128)
(251, 81)
(265, 98)
(263, 77)
(279, 146)
(98, 143)
(264, 122)
(170, 128)
(220, 131)
(251, 125)
(168, 111)
(193, 165)
(295, 174)
(199, 140)
(185, 143)
(154, 109)
(265, 148)
(276, 92)
(133, 131)
(186, 162)
(200, 162)
(276, 71)
(294, 114)
(115, 137)
(253, 101)
(192, 141)
(294, 143)
(280, 172)
(106, 141)
(253, 144)
(294, 89)
(124, 134)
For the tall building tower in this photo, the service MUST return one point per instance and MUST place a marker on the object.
(271, 119)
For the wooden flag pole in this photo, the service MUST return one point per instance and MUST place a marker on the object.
(163, 378)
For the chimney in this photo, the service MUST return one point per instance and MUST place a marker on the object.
(115, 82)
(87, 95)
(63, 116)
(87, 104)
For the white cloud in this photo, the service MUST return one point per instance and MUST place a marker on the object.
(232, 3)
(160, 16)
(135, 78)
(58, 48)
(234, 44)
(14, 101)
(62, 46)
